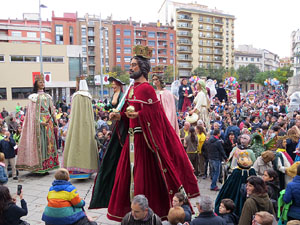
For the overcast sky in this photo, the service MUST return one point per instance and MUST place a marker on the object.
(263, 23)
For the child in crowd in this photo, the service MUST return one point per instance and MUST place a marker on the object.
(64, 204)
(226, 209)
(3, 176)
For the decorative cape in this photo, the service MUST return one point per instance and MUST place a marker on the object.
(232, 189)
(159, 158)
(81, 153)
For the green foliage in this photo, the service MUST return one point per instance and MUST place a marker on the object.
(169, 74)
(214, 74)
(281, 74)
(120, 74)
(247, 73)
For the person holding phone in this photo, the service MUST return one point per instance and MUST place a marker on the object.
(10, 213)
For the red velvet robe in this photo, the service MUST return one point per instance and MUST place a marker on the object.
(161, 164)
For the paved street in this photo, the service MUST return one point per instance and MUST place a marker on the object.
(35, 189)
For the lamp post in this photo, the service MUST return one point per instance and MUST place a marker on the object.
(40, 21)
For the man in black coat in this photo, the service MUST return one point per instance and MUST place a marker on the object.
(207, 216)
(216, 154)
(221, 93)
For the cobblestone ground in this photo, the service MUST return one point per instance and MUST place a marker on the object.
(35, 189)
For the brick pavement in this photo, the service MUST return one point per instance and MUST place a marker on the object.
(35, 189)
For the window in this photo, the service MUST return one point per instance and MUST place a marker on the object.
(3, 94)
(46, 58)
(118, 59)
(71, 32)
(127, 32)
(171, 36)
(171, 61)
(83, 31)
(31, 34)
(21, 92)
(171, 52)
(118, 50)
(83, 49)
(171, 44)
(127, 50)
(151, 34)
(16, 34)
(1, 58)
(59, 38)
(252, 59)
(151, 43)
(58, 59)
(257, 59)
(246, 58)
(118, 32)
(118, 41)
(236, 58)
(152, 60)
(127, 59)
(30, 58)
(43, 35)
(83, 41)
(16, 58)
(126, 67)
(153, 51)
(127, 41)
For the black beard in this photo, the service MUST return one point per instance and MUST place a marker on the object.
(135, 75)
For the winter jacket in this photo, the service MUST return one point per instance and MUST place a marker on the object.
(260, 166)
(188, 213)
(64, 204)
(208, 218)
(254, 204)
(215, 149)
(7, 147)
(3, 176)
(230, 218)
(292, 193)
(13, 213)
(151, 219)
(233, 129)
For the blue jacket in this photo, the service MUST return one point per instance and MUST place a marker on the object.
(3, 176)
(188, 213)
(292, 193)
(234, 129)
(208, 218)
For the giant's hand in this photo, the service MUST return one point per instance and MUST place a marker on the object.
(114, 116)
(132, 115)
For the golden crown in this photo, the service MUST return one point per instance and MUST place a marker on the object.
(143, 51)
(158, 69)
(39, 77)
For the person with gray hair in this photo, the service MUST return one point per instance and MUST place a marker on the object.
(141, 213)
(207, 216)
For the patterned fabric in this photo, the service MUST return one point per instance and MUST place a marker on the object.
(64, 204)
(37, 151)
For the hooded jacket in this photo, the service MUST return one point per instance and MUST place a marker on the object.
(215, 149)
(292, 193)
(254, 204)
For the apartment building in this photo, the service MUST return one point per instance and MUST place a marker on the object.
(262, 58)
(160, 38)
(64, 29)
(92, 40)
(285, 62)
(204, 39)
(26, 30)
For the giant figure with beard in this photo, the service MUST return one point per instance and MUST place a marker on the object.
(144, 155)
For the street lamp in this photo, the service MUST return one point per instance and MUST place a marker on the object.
(40, 21)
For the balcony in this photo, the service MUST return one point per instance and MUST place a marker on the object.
(92, 63)
(184, 42)
(184, 34)
(140, 37)
(162, 46)
(200, 28)
(218, 52)
(91, 44)
(183, 50)
(218, 59)
(218, 37)
(209, 21)
(91, 53)
(217, 29)
(205, 59)
(218, 21)
(189, 59)
(185, 66)
(185, 26)
(218, 45)
(162, 37)
(184, 18)
(162, 56)
(91, 24)
(208, 52)
(91, 34)
(205, 44)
